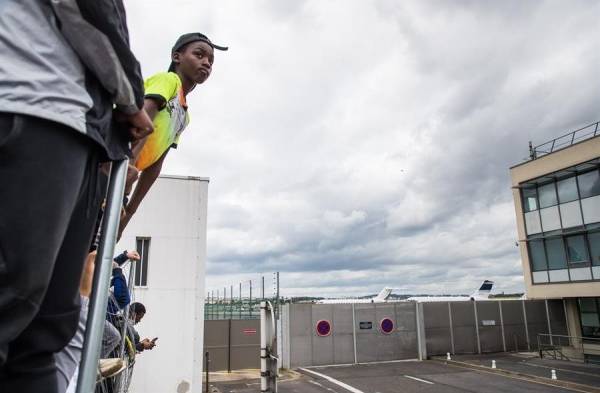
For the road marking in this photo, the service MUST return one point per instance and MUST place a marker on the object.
(419, 379)
(366, 363)
(335, 381)
(321, 386)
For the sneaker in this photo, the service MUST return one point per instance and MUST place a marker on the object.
(110, 367)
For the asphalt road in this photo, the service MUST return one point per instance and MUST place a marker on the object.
(405, 377)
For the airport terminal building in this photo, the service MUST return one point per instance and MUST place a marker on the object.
(557, 203)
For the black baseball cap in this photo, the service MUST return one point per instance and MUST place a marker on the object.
(192, 37)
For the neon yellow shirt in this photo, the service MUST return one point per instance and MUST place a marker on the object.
(170, 121)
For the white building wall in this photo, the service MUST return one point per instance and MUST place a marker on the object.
(173, 215)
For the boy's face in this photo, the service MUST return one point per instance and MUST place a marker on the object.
(195, 61)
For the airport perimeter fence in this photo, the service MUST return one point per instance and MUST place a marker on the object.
(223, 303)
(328, 334)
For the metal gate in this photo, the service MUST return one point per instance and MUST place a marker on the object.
(324, 334)
(232, 344)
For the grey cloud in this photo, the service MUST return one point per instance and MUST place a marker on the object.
(355, 144)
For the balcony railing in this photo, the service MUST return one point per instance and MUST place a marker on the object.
(563, 141)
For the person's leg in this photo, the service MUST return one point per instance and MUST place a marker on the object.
(111, 338)
(43, 172)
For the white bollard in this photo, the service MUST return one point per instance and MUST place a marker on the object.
(493, 364)
(554, 375)
(448, 356)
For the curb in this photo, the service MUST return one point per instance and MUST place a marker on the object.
(578, 387)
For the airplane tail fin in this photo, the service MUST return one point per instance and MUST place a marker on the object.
(484, 290)
(384, 294)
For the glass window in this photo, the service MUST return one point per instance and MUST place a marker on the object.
(570, 214)
(594, 241)
(587, 304)
(567, 190)
(556, 254)
(532, 221)
(561, 275)
(141, 268)
(580, 274)
(576, 249)
(538, 257)
(547, 195)
(589, 184)
(589, 309)
(550, 218)
(540, 277)
(530, 199)
(591, 209)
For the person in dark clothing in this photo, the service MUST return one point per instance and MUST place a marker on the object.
(136, 313)
(118, 282)
(118, 300)
(65, 65)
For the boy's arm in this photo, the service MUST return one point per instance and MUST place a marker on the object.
(121, 290)
(152, 106)
(146, 180)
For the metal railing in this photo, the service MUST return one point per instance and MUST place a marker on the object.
(88, 368)
(125, 350)
(561, 347)
(563, 141)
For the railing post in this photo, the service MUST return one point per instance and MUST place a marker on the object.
(263, 347)
(130, 282)
(531, 151)
(88, 367)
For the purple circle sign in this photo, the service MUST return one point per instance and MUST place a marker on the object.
(323, 328)
(386, 325)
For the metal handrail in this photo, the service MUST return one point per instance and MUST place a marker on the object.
(555, 344)
(563, 141)
(575, 337)
(99, 299)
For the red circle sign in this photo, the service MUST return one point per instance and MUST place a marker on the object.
(386, 325)
(323, 328)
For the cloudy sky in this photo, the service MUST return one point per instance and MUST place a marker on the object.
(355, 144)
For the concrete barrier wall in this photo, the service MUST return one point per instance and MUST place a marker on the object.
(457, 327)
(490, 326)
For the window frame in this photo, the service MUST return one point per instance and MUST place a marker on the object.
(140, 279)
